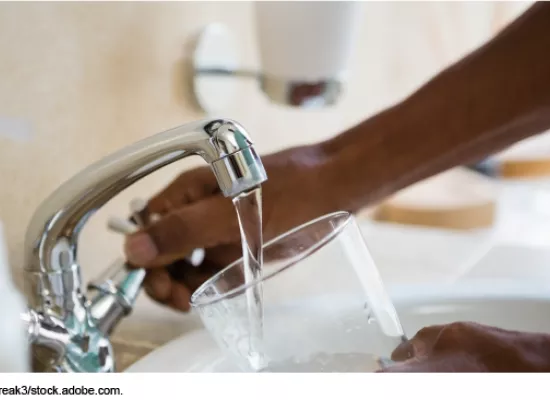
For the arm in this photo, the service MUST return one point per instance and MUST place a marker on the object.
(498, 95)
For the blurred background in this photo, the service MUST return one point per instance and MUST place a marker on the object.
(81, 80)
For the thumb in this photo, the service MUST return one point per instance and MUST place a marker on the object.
(204, 224)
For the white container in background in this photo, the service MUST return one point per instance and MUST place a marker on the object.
(14, 348)
(305, 43)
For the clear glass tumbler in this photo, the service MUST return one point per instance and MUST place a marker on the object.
(325, 308)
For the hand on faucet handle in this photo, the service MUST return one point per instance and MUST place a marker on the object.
(193, 214)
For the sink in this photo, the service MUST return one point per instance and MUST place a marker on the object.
(520, 305)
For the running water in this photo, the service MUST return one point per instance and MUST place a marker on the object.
(249, 212)
(249, 345)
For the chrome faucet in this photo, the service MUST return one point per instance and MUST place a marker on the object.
(68, 329)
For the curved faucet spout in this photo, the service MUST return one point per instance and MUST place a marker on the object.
(53, 277)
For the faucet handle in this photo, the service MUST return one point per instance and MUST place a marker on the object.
(117, 291)
(117, 279)
(137, 206)
(118, 287)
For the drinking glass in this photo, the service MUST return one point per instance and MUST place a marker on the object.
(325, 308)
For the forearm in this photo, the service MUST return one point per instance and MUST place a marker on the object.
(496, 96)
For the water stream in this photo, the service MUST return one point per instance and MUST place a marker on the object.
(249, 212)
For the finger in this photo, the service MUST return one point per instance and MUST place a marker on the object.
(223, 255)
(158, 285)
(191, 276)
(204, 224)
(187, 188)
(420, 345)
(161, 288)
(180, 297)
(404, 351)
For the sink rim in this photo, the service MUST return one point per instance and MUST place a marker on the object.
(470, 290)
(404, 296)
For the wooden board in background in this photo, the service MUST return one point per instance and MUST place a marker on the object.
(527, 159)
(456, 199)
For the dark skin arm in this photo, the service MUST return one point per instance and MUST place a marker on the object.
(494, 97)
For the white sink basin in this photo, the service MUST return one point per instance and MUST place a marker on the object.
(520, 306)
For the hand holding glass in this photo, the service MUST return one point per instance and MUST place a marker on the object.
(325, 308)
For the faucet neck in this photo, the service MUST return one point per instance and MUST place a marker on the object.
(53, 283)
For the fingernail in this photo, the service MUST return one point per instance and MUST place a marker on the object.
(140, 249)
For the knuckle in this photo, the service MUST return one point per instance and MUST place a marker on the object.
(456, 330)
(424, 331)
(428, 332)
(452, 336)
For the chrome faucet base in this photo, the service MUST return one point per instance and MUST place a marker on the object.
(90, 351)
(62, 318)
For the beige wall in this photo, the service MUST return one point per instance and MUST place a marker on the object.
(80, 80)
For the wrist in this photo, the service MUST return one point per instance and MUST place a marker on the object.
(363, 165)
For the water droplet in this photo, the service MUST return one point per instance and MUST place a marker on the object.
(370, 317)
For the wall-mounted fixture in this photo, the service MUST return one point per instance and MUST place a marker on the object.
(304, 47)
